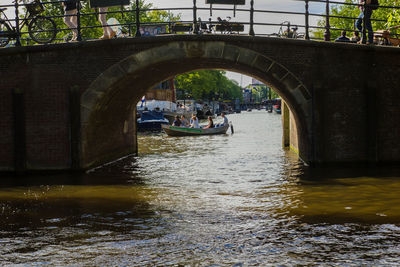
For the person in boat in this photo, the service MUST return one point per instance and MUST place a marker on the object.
(185, 122)
(210, 123)
(177, 121)
(224, 118)
(194, 122)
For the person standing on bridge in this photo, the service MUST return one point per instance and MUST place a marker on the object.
(366, 7)
(108, 33)
(70, 18)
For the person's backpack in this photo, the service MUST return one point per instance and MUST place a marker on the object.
(374, 4)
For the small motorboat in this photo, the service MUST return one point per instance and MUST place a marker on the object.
(184, 131)
(151, 121)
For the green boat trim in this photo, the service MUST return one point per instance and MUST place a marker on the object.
(182, 131)
(193, 130)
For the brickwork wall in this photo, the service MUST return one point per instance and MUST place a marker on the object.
(6, 129)
(354, 89)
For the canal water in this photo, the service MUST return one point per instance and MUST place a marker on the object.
(230, 200)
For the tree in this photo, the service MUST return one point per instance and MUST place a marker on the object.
(393, 17)
(347, 15)
(208, 85)
(259, 92)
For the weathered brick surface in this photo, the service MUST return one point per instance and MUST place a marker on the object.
(345, 97)
(6, 130)
(47, 115)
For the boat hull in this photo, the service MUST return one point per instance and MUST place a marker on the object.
(181, 131)
(151, 126)
(151, 121)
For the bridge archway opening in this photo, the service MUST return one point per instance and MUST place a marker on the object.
(108, 105)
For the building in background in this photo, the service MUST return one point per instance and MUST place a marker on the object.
(164, 91)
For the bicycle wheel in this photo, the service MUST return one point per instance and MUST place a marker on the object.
(4, 38)
(42, 30)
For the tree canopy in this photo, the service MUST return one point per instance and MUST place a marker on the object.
(207, 85)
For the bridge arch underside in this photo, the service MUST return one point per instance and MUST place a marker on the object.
(108, 105)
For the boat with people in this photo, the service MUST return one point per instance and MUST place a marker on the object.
(151, 120)
(185, 131)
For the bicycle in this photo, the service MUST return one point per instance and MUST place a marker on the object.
(225, 26)
(41, 29)
(288, 32)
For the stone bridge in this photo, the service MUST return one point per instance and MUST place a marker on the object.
(72, 106)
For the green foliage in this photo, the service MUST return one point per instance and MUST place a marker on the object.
(350, 13)
(393, 15)
(208, 85)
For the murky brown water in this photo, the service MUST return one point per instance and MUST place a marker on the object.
(230, 200)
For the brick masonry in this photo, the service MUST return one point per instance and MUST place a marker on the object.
(343, 98)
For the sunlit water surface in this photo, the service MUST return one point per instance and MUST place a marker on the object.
(227, 200)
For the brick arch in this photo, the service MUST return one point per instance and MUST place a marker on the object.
(107, 106)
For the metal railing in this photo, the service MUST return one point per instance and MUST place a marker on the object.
(248, 20)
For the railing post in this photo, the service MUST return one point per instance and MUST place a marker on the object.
(17, 31)
(195, 30)
(251, 32)
(327, 33)
(78, 22)
(364, 28)
(307, 22)
(138, 34)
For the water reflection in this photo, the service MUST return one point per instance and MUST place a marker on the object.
(230, 200)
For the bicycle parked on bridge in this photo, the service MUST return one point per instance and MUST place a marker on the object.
(289, 32)
(41, 29)
(225, 26)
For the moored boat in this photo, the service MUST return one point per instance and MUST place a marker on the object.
(151, 121)
(277, 109)
(183, 131)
